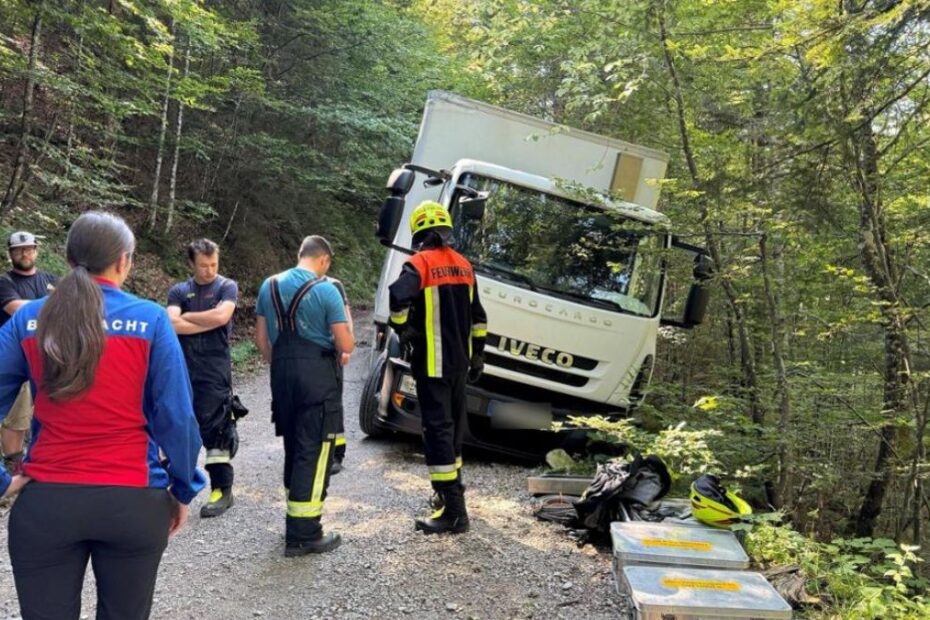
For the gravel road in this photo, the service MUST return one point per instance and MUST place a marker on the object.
(508, 566)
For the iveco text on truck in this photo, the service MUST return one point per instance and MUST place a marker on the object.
(572, 280)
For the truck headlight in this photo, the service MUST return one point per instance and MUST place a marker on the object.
(407, 385)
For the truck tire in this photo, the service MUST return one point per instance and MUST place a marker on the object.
(368, 406)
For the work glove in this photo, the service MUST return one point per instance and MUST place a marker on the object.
(476, 367)
(405, 339)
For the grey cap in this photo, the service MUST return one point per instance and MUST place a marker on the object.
(21, 239)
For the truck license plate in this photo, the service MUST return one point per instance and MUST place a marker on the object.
(520, 415)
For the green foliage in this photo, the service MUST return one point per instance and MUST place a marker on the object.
(245, 356)
(857, 578)
(685, 452)
(294, 115)
(852, 578)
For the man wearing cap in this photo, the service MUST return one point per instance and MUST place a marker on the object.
(21, 284)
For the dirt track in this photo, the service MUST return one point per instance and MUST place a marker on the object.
(508, 566)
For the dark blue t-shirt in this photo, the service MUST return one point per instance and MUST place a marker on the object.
(15, 286)
(192, 297)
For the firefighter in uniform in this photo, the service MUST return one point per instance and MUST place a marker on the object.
(339, 454)
(436, 311)
(201, 311)
(301, 330)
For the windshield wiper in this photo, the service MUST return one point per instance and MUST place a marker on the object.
(591, 301)
(507, 273)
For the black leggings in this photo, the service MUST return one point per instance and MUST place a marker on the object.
(55, 528)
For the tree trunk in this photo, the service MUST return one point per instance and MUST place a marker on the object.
(13, 189)
(880, 266)
(179, 124)
(230, 222)
(750, 378)
(27, 173)
(160, 155)
(229, 146)
(69, 144)
(785, 483)
(920, 455)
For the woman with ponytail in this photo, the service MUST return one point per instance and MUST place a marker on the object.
(111, 391)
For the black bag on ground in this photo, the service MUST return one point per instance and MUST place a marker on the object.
(617, 487)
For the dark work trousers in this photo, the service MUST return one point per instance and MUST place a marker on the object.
(306, 410)
(443, 411)
(55, 528)
(340, 453)
(211, 381)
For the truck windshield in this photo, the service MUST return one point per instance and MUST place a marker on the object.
(561, 247)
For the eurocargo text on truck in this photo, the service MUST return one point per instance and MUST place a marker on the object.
(571, 279)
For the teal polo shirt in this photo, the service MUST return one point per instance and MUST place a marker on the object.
(320, 308)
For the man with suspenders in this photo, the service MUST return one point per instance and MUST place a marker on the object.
(301, 329)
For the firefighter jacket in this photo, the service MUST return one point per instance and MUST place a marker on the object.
(435, 306)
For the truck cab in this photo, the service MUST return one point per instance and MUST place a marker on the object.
(572, 282)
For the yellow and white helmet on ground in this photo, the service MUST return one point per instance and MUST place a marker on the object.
(427, 215)
(714, 505)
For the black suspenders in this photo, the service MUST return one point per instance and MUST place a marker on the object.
(287, 321)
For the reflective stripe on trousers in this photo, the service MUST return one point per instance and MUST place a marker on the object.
(218, 456)
(443, 473)
(314, 507)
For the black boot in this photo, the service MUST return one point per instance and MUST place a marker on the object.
(324, 543)
(452, 518)
(220, 501)
(436, 502)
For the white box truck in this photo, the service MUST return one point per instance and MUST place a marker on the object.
(572, 280)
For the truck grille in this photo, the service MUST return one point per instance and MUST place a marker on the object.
(578, 361)
(542, 372)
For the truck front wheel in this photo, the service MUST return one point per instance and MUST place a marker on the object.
(368, 407)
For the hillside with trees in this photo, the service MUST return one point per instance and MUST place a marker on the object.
(254, 123)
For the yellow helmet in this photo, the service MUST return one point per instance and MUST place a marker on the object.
(714, 505)
(429, 215)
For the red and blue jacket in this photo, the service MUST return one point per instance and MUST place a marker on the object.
(111, 434)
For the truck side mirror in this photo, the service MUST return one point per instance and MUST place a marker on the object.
(400, 181)
(473, 206)
(399, 184)
(699, 293)
(687, 262)
(703, 267)
(696, 306)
